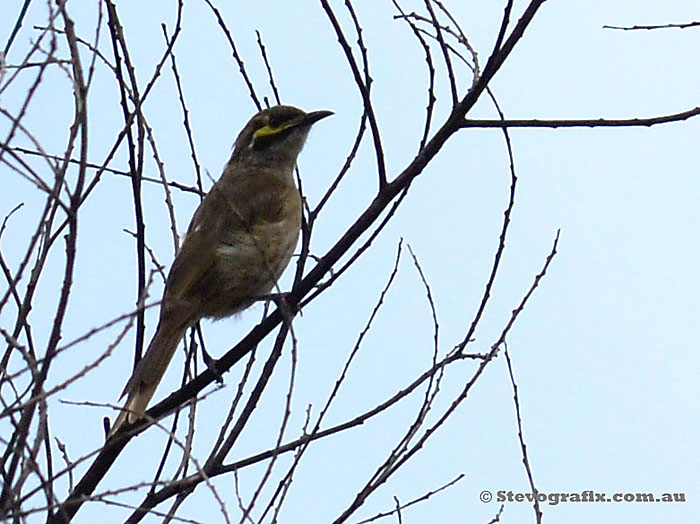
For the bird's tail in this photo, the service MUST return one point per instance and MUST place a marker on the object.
(147, 375)
(134, 408)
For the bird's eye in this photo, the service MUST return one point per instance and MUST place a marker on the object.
(275, 129)
(275, 121)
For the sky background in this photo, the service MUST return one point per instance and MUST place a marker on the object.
(605, 354)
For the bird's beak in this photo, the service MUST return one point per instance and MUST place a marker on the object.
(311, 118)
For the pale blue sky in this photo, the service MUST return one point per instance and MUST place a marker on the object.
(606, 353)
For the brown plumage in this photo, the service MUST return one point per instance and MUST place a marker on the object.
(239, 242)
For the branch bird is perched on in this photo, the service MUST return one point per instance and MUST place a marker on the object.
(239, 242)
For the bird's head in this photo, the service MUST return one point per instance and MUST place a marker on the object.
(276, 133)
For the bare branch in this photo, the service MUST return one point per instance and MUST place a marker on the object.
(652, 27)
(521, 439)
(599, 122)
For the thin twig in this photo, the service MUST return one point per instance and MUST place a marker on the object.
(598, 122)
(652, 27)
(521, 439)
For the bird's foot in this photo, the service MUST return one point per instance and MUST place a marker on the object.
(287, 307)
(211, 366)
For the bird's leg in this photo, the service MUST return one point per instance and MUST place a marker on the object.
(283, 303)
(288, 308)
(208, 359)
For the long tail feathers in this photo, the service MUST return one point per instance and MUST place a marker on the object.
(147, 375)
(134, 408)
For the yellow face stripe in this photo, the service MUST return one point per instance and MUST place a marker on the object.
(267, 131)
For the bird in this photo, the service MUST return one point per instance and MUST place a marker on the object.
(239, 241)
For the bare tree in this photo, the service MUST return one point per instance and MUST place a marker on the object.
(65, 171)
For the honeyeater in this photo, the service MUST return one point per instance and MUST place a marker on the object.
(238, 243)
